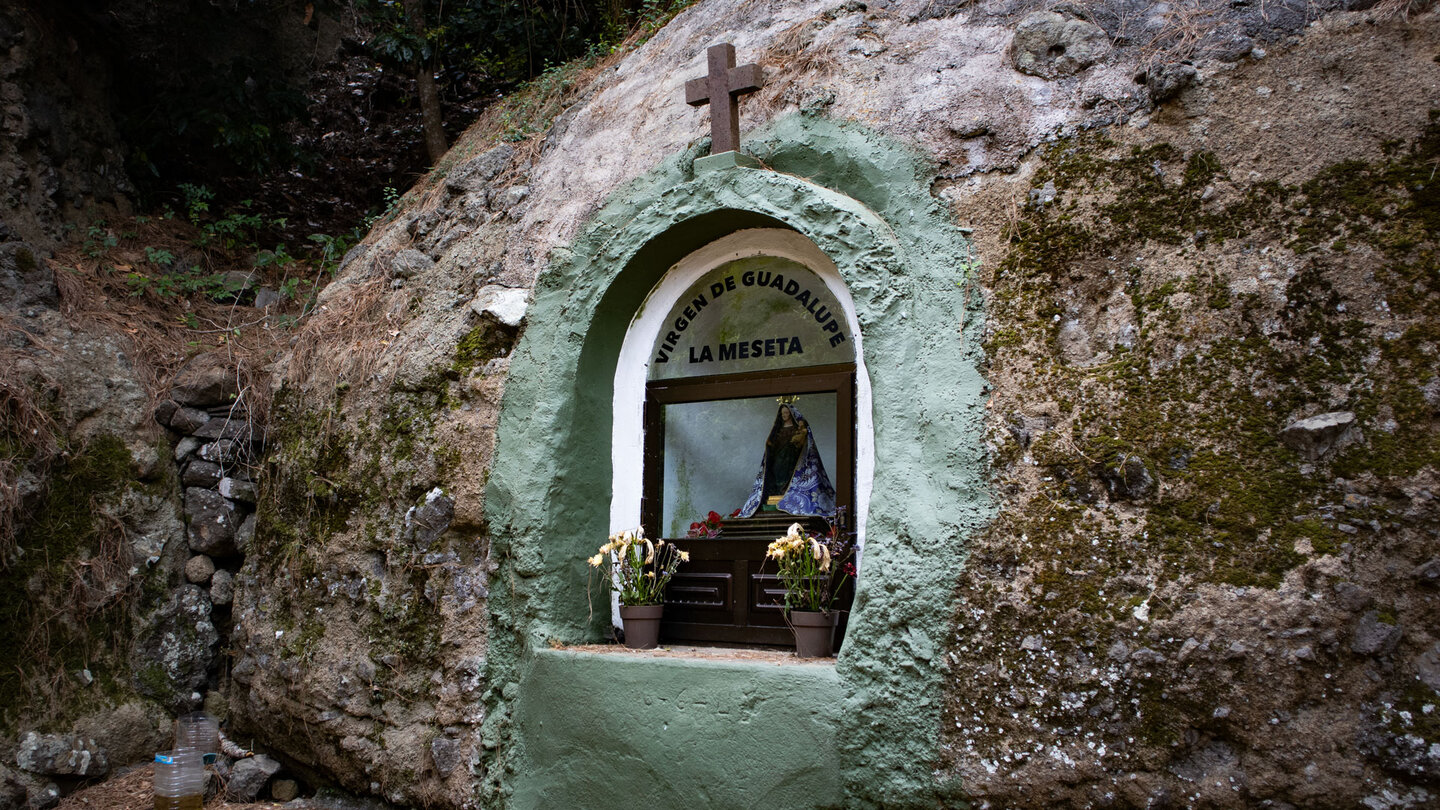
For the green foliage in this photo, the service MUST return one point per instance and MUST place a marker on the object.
(392, 204)
(98, 240)
(277, 258)
(329, 250)
(159, 256)
(226, 118)
(290, 286)
(534, 107)
(238, 228)
(197, 201)
(502, 40)
(229, 240)
(177, 283)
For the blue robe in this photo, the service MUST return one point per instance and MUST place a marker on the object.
(810, 491)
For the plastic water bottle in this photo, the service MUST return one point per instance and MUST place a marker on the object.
(179, 780)
(200, 732)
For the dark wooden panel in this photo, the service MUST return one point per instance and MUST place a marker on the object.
(699, 590)
(767, 600)
(687, 633)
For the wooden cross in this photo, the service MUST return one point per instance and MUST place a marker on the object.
(720, 89)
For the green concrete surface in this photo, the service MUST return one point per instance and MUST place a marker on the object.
(619, 730)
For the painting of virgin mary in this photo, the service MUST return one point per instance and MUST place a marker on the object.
(791, 476)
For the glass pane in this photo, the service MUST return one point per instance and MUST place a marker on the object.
(715, 451)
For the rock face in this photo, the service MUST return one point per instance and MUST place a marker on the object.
(61, 152)
(131, 732)
(61, 755)
(199, 569)
(1164, 236)
(1051, 45)
(1317, 435)
(1374, 636)
(222, 588)
(172, 657)
(204, 381)
(1128, 478)
(502, 303)
(90, 534)
(24, 277)
(249, 777)
(283, 790)
(428, 521)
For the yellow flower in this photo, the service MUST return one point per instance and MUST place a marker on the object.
(684, 556)
(650, 574)
(596, 560)
(649, 552)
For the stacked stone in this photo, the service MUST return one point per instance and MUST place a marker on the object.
(216, 446)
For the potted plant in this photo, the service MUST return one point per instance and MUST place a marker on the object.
(639, 569)
(813, 568)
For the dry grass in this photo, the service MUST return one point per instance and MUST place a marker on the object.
(794, 56)
(162, 332)
(1401, 9)
(343, 339)
(23, 417)
(1187, 26)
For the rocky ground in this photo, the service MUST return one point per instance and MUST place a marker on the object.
(132, 790)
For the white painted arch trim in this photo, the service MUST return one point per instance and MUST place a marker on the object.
(632, 370)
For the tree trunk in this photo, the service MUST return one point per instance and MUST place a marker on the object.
(434, 124)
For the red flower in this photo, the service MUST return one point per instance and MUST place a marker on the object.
(714, 517)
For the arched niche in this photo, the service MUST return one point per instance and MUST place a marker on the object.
(864, 202)
(688, 353)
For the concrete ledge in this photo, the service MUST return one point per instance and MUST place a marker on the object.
(626, 730)
(725, 160)
(773, 656)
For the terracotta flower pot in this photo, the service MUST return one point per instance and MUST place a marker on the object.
(814, 633)
(642, 625)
